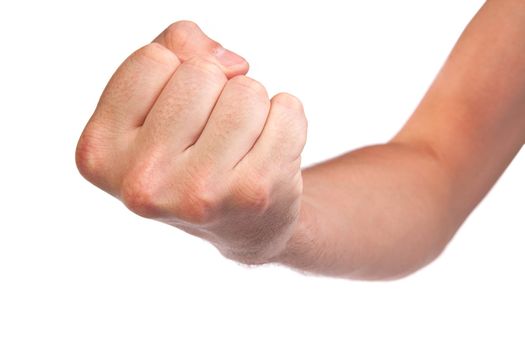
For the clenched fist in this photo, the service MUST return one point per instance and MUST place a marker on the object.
(182, 136)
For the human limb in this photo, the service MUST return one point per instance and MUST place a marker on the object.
(379, 212)
(384, 211)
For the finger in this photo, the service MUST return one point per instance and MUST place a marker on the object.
(235, 123)
(134, 87)
(283, 137)
(187, 40)
(182, 109)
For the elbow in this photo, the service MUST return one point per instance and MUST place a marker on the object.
(400, 264)
(407, 271)
(412, 250)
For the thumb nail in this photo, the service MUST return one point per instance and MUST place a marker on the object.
(228, 58)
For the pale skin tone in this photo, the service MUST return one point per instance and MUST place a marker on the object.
(182, 136)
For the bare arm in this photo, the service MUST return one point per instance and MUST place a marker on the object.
(181, 136)
(384, 211)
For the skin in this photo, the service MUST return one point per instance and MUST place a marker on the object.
(182, 136)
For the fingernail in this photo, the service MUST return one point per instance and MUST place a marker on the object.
(228, 58)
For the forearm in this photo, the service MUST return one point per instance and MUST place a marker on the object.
(378, 212)
(384, 211)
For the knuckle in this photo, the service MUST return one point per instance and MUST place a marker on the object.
(252, 193)
(89, 155)
(295, 122)
(287, 101)
(291, 118)
(178, 34)
(191, 200)
(184, 25)
(250, 85)
(198, 209)
(157, 53)
(198, 204)
(139, 194)
(206, 67)
(295, 140)
(302, 127)
(290, 129)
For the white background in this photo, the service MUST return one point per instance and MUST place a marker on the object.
(79, 271)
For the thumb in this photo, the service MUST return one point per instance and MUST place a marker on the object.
(187, 40)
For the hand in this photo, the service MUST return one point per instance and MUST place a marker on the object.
(182, 136)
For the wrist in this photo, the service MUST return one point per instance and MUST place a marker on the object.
(298, 250)
(267, 244)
